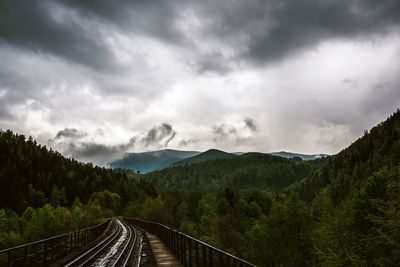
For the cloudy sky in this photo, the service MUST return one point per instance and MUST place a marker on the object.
(97, 78)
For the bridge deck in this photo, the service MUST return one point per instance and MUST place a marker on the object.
(163, 255)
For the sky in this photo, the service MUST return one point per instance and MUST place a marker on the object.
(98, 78)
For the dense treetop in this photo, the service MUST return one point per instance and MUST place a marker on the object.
(339, 211)
(32, 175)
(252, 170)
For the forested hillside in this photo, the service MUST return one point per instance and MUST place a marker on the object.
(345, 213)
(355, 199)
(252, 170)
(43, 193)
(207, 155)
(345, 172)
(32, 175)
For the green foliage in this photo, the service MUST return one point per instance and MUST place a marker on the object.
(32, 175)
(284, 236)
(46, 190)
(346, 171)
(267, 172)
(345, 213)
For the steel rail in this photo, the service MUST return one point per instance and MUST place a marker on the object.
(109, 241)
(132, 247)
(86, 253)
(126, 246)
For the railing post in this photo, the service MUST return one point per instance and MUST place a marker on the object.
(176, 244)
(65, 244)
(52, 249)
(196, 246)
(190, 252)
(184, 250)
(180, 247)
(210, 256)
(37, 253)
(25, 256)
(204, 255)
(221, 260)
(9, 258)
(45, 252)
(171, 240)
(228, 261)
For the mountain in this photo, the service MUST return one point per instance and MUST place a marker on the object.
(208, 155)
(345, 172)
(153, 160)
(250, 170)
(218, 154)
(290, 155)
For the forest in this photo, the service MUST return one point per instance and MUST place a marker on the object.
(251, 170)
(343, 211)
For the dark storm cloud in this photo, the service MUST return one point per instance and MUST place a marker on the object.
(151, 18)
(157, 134)
(260, 31)
(250, 124)
(278, 28)
(70, 133)
(31, 25)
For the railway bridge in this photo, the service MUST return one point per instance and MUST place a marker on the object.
(127, 242)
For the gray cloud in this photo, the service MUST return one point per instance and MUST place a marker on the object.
(157, 134)
(223, 131)
(170, 139)
(4, 112)
(250, 124)
(271, 30)
(53, 29)
(127, 66)
(150, 18)
(70, 133)
(99, 154)
(259, 31)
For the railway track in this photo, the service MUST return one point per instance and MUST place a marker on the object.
(120, 247)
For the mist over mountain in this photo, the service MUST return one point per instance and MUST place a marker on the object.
(290, 155)
(153, 160)
(156, 160)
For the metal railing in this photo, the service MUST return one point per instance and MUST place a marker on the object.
(47, 251)
(190, 251)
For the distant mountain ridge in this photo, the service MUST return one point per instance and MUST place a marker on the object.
(155, 160)
(290, 155)
(208, 155)
(152, 160)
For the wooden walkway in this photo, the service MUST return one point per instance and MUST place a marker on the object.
(163, 255)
